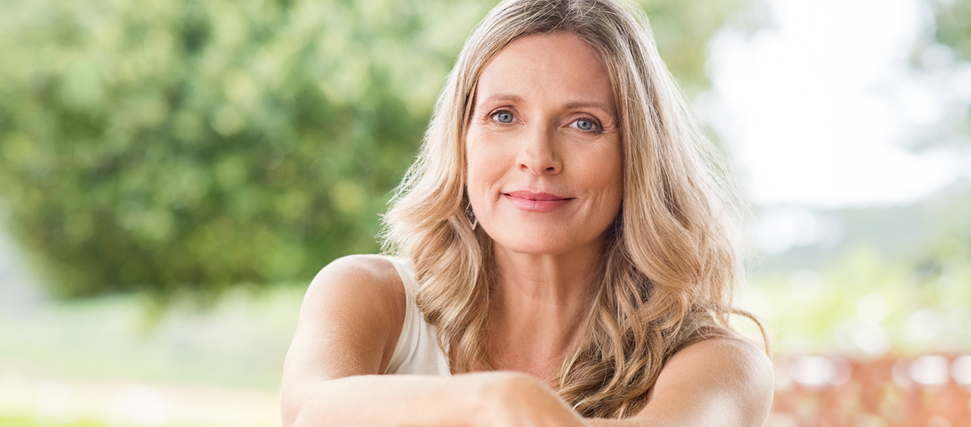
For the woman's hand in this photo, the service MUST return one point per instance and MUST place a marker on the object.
(512, 399)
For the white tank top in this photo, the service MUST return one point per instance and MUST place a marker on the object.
(417, 350)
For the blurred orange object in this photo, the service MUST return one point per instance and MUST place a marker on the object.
(928, 390)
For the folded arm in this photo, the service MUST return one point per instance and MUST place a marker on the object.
(349, 325)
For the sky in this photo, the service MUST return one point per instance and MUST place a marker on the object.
(821, 107)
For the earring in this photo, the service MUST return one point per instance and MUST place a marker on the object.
(471, 216)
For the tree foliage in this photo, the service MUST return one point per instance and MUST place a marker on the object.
(954, 26)
(160, 145)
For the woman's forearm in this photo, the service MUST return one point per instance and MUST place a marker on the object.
(375, 400)
(481, 399)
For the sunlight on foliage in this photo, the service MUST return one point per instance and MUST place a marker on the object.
(866, 306)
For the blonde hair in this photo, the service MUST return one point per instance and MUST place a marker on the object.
(670, 260)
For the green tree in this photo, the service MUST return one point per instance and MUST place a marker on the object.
(160, 145)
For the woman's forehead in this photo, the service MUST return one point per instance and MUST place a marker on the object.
(558, 64)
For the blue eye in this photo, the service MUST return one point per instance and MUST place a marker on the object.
(503, 117)
(586, 125)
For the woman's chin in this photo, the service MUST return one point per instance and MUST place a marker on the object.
(533, 241)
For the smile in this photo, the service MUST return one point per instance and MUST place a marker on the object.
(536, 202)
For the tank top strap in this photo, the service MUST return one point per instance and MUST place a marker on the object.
(417, 350)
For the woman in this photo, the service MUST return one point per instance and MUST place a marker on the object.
(564, 257)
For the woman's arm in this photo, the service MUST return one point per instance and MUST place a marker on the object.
(349, 325)
(721, 381)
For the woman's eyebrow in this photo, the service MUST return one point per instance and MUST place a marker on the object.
(591, 104)
(503, 97)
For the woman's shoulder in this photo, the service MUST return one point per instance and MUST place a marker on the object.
(360, 281)
(728, 349)
(350, 319)
(727, 372)
(376, 271)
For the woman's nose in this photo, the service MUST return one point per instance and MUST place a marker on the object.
(539, 154)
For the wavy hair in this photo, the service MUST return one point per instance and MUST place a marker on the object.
(670, 260)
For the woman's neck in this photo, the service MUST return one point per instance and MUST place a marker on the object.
(538, 306)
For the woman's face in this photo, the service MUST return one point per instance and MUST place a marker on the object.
(543, 149)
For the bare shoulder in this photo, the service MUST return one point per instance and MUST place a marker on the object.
(362, 289)
(371, 275)
(731, 356)
(350, 318)
(724, 381)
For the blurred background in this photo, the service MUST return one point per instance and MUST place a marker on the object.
(173, 173)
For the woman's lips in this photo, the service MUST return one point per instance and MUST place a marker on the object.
(536, 202)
